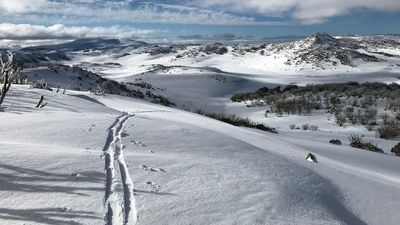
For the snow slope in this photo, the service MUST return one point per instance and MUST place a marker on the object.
(184, 168)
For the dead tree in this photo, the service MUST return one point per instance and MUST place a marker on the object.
(40, 102)
(9, 72)
(58, 87)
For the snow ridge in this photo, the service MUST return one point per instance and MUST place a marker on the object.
(118, 212)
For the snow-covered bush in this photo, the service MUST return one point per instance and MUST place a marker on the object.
(385, 118)
(40, 84)
(292, 126)
(370, 115)
(389, 130)
(358, 102)
(396, 150)
(297, 106)
(335, 142)
(340, 119)
(236, 120)
(350, 115)
(313, 127)
(113, 87)
(305, 126)
(357, 141)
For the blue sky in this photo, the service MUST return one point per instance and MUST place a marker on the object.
(62, 19)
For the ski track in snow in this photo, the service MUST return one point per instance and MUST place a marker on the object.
(119, 210)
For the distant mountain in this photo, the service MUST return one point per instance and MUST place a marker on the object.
(319, 50)
(78, 45)
(62, 52)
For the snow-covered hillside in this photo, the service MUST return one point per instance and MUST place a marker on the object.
(185, 168)
(319, 54)
(92, 158)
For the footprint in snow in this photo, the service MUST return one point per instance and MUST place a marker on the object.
(153, 186)
(91, 127)
(151, 169)
(64, 209)
(138, 143)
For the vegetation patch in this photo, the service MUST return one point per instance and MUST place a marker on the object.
(357, 141)
(237, 121)
(373, 105)
(335, 142)
(396, 150)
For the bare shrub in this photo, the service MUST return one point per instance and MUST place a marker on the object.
(370, 115)
(40, 84)
(237, 121)
(350, 115)
(396, 150)
(340, 119)
(335, 142)
(385, 117)
(313, 127)
(390, 130)
(357, 141)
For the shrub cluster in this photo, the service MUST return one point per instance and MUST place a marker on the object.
(351, 102)
(357, 141)
(113, 87)
(258, 94)
(335, 142)
(237, 121)
(396, 150)
(297, 106)
(40, 84)
(389, 130)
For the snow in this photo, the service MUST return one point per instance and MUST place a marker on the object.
(215, 173)
(97, 159)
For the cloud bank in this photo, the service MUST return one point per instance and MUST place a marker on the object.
(59, 31)
(305, 11)
(20, 6)
(95, 18)
(128, 11)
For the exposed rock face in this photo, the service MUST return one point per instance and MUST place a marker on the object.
(162, 50)
(216, 48)
(322, 48)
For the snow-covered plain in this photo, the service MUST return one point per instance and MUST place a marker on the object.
(185, 168)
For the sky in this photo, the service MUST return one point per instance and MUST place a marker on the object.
(62, 19)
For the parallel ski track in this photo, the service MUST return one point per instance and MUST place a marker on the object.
(120, 208)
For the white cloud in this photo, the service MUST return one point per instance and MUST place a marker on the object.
(89, 11)
(21, 5)
(306, 11)
(59, 31)
(222, 12)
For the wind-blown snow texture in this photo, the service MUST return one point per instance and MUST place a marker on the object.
(199, 171)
